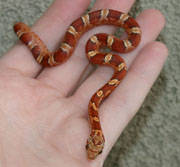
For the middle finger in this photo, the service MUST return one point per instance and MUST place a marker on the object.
(65, 77)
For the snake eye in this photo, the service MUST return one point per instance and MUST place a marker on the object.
(87, 147)
(100, 152)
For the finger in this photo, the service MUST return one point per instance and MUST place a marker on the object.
(147, 19)
(120, 5)
(50, 27)
(66, 76)
(119, 108)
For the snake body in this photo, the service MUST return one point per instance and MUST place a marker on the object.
(96, 140)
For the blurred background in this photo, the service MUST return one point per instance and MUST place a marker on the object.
(152, 138)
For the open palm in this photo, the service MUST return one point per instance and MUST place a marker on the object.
(43, 112)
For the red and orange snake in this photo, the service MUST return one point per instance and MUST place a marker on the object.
(96, 140)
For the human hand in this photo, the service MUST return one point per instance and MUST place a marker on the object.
(40, 124)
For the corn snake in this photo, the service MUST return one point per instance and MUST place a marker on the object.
(96, 140)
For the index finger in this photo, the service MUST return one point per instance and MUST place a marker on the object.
(50, 27)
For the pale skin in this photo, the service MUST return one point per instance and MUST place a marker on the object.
(42, 122)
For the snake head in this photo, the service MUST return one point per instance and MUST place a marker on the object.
(95, 144)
